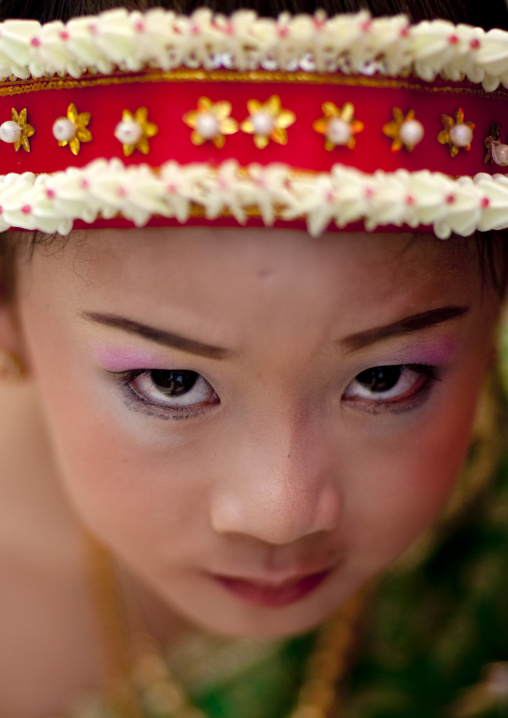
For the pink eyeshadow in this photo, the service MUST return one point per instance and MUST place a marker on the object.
(437, 352)
(125, 359)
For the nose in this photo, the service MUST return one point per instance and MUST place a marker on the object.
(279, 486)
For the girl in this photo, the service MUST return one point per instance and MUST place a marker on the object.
(219, 437)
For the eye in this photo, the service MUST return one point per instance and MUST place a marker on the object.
(172, 388)
(389, 384)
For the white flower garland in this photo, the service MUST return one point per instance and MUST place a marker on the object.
(51, 202)
(349, 43)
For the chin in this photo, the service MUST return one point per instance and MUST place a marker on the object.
(256, 626)
(236, 618)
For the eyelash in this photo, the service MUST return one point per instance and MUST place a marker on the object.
(141, 403)
(410, 400)
(415, 396)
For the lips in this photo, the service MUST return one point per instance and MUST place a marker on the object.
(268, 595)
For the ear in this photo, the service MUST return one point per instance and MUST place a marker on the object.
(12, 345)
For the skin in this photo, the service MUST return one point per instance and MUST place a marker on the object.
(282, 470)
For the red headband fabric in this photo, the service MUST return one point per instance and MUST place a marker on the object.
(169, 97)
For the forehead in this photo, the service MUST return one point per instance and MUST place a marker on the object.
(219, 272)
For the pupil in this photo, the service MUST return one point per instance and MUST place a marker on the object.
(380, 378)
(173, 383)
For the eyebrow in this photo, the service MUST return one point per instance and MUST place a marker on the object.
(167, 339)
(407, 325)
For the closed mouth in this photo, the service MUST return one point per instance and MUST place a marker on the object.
(270, 595)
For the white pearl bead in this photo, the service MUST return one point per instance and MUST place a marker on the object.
(128, 132)
(207, 125)
(338, 131)
(461, 135)
(10, 131)
(411, 132)
(500, 154)
(263, 123)
(64, 130)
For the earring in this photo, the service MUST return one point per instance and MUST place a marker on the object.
(11, 367)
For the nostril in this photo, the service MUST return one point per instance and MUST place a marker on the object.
(277, 517)
(226, 514)
(328, 509)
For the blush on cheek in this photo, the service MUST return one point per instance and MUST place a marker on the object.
(444, 453)
(116, 498)
(123, 489)
(418, 477)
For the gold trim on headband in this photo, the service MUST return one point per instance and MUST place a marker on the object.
(21, 87)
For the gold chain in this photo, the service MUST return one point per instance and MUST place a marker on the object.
(139, 681)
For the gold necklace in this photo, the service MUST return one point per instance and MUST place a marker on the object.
(140, 683)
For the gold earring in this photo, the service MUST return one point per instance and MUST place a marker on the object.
(11, 367)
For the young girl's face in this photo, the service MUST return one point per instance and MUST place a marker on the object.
(255, 421)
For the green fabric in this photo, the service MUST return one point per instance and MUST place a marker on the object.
(267, 690)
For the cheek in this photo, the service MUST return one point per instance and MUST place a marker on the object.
(409, 482)
(136, 500)
(123, 483)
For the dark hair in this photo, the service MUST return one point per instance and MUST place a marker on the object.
(487, 14)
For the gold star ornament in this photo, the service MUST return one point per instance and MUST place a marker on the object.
(404, 130)
(135, 130)
(17, 131)
(339, 126)
(73, 129)
(211, 122)
(267, 122)
(457, 133)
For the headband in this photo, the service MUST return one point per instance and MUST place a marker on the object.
(129, 119)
